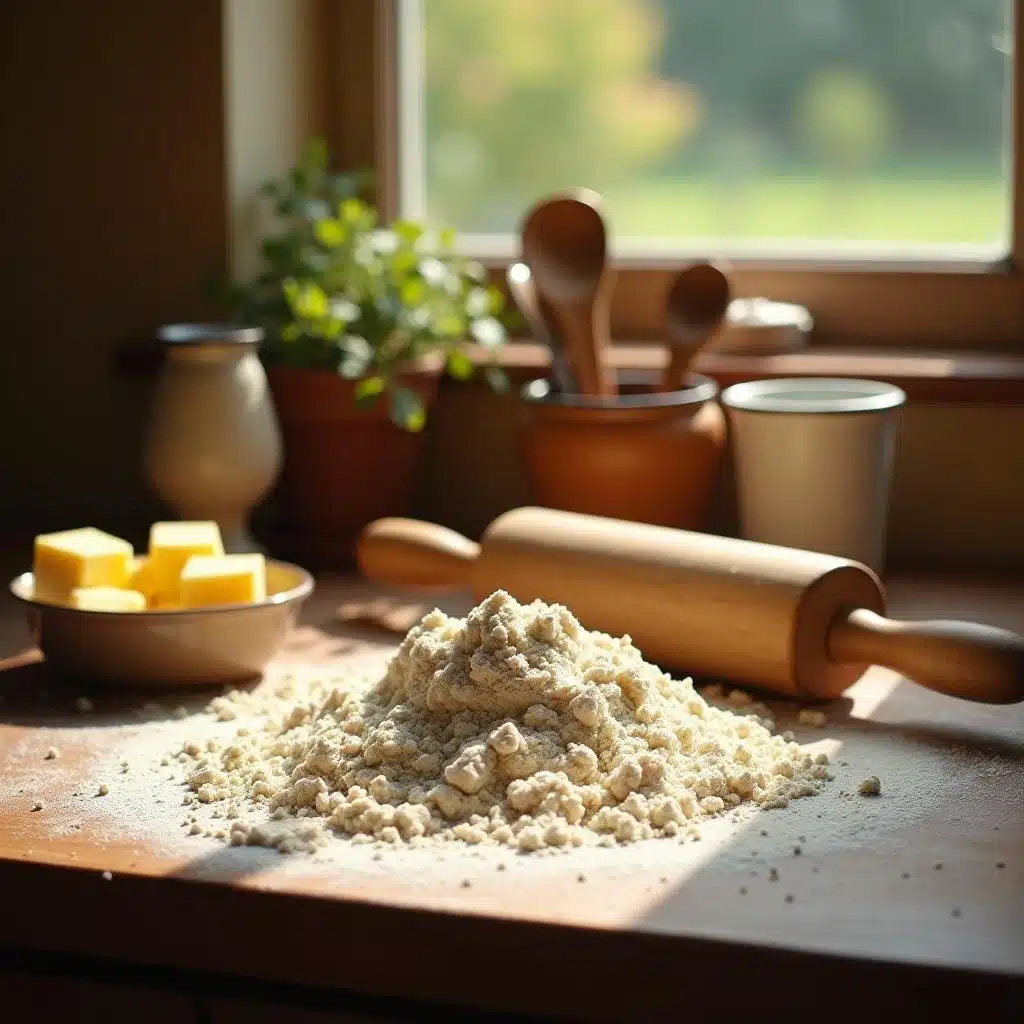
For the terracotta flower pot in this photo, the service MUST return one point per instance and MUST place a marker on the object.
(343, 466)
(644, 456)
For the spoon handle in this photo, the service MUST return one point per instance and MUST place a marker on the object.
(680, 357)
(602, 334)
(560, 370)
(541, 322)
(586, 344)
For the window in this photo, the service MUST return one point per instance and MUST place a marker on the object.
(858, 156)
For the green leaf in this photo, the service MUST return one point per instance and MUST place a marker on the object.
(308, 300)
(407, 410)
(413, 291)
(351, 211)
(497, 300)
(403, 262)
(460, 366)
(450, 325)
(408, 231)
(330, 328)
(330, 232)
(369, 390)
(497, 378)
(446, 238)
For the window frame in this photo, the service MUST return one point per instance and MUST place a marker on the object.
(856, 300)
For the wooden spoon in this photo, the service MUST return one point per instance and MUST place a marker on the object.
(697, 301)
(524, 292)
(565, 244)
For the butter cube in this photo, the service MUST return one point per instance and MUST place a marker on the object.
(171, 545)
(142, 576)
(224, 579)
(107, 599)
(79, 558)
(142, 581)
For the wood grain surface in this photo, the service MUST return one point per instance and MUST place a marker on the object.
(918, 890)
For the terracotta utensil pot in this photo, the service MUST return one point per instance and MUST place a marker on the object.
(643, 455)
(343, 466)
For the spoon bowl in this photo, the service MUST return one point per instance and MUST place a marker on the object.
(696, 304)
(565, 243)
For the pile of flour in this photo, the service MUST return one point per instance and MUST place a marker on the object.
(513, 726)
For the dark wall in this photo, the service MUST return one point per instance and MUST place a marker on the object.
(112, 214)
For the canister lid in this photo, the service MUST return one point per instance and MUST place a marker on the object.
(760, 326)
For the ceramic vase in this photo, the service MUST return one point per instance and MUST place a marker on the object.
(214, 447)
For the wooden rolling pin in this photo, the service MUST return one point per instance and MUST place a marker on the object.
(791, 621)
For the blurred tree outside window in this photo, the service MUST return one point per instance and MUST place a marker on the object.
(867, 121)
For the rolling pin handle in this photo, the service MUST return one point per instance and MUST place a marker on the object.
(962, 659)
(411, 553)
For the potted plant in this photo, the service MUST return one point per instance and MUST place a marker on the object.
(360, 321)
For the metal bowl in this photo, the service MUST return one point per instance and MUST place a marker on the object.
(207, 646)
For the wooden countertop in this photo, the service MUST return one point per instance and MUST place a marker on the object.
(920, 890)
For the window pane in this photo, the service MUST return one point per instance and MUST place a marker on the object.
(749, 121)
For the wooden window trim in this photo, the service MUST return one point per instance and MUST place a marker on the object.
(953, 378)
(855, 303)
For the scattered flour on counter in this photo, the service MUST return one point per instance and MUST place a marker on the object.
(514, 727)
(812, 718)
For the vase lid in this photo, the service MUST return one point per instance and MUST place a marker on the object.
(209, 334)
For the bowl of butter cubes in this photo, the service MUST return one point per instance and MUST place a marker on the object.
(184, 613)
